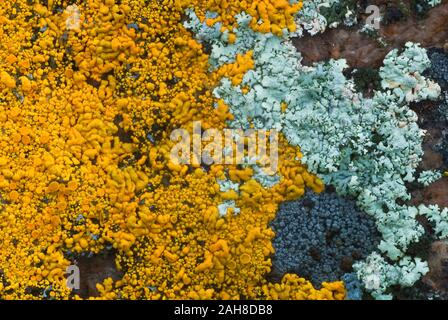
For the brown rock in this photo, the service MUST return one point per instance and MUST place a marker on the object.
(435, 193)
(431, 160)
(361, 50)
(94, 270)
(437, 277)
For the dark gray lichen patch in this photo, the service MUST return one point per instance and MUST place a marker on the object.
(320, 236)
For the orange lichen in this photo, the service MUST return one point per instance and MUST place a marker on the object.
(293, 287)
(236, 71)
(267, 15)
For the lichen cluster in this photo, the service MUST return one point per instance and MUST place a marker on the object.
(90, 92)
(367, 148)
(320, 236)
(86, 114)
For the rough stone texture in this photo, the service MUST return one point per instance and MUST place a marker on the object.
(96, 269)
(360, 50)
(437, 278)
(436, 193)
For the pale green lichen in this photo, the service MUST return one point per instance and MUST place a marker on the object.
(378, 275)
(311, 19)
(226, 205)
(438, 217)
(429, 176)
(433, 3)
(227, 185)
(403, 74)
(266, 179)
